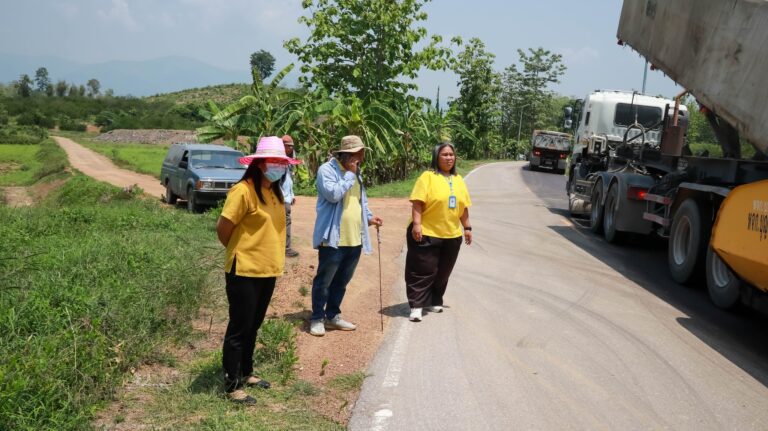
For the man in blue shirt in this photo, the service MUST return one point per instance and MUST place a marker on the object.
(286, 185)
(341, 233)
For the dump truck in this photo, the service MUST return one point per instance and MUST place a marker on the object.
(549, 150)
(712, 210)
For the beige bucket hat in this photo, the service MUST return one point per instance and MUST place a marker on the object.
(351, 144)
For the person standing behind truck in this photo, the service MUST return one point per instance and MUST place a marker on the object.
(252, 228)
(440, 209)
(286, 185)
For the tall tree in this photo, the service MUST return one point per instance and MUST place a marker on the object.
(42, 81)
(61, 88)
(477, 103)
(94, 87)
(525, 90)
(24, 86)
(264, 62)
(364, 47)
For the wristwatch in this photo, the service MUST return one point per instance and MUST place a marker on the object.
(468, 228)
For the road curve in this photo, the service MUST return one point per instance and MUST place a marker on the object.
(101, 168)
(549, 327)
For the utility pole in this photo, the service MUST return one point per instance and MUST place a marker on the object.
(520, 122)
(645, 75)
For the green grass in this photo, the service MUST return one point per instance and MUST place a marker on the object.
(18, 164)
(142, 158)
(197, 402)
(93, 282)
(23, 165)
(348, 382)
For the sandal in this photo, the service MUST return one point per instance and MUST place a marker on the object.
(258, 382)
(239, 396)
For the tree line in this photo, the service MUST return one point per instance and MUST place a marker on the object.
(26, 86)
(358, 66)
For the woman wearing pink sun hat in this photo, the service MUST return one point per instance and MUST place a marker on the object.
(252, 228)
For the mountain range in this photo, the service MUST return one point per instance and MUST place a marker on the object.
(136, 78)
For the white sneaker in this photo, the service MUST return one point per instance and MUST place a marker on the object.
(317, 328)
(415, 315)
(338, 323)
(435, 309)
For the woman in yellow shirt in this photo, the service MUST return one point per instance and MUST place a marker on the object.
(252, 228)
(440, 210)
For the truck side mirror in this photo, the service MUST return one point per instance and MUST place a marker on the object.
(567, 117)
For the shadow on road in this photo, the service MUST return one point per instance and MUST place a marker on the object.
(738, 336)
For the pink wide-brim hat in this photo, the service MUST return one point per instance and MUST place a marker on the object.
(269, 147)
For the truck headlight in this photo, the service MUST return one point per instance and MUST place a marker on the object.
(202, 185)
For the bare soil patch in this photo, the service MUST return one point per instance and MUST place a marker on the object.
(155, 137)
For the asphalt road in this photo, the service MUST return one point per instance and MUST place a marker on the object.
(548, 327)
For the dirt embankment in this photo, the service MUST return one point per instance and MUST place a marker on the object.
(147, 136)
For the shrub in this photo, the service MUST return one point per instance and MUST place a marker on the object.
(35, 118)
(26, 135)
(52, 158)
(66, 123)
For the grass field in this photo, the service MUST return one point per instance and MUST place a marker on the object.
(18, 164)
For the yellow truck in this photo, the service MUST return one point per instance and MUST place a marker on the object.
(713, 210)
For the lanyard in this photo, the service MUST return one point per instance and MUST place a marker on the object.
(450, 183)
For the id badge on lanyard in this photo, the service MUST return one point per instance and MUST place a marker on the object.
(452, 197)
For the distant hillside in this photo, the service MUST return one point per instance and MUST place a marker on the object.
(137, 78)
(221, 94)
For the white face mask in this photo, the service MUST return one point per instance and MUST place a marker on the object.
(275, 171)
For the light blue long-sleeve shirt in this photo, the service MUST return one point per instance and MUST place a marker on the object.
(332, 185)
(286, 185)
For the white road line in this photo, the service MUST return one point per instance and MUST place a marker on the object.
(395, 367)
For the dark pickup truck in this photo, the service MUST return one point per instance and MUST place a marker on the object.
(200, 173)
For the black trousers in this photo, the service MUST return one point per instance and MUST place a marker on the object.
(248, 301)
(428, 265)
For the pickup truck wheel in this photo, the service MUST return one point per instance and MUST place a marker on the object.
(610, 213)
(723, 285)
(170, 197)
(596, 212)
(688, 241)
(192, 205)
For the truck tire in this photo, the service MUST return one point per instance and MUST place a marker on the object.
(192, 205)
(170, 197)
(596, 211)
(610, 212)
(688, 241)
(723, 285)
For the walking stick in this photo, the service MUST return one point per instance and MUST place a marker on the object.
(381, 302)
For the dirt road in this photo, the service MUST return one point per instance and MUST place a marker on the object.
(101, 168)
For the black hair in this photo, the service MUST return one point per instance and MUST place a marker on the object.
(254, 174)
(436, 155)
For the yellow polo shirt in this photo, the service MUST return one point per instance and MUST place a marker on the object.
(437, 220)
(350, 228)
(258, 239)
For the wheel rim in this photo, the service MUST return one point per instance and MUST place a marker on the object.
(681, 241)
(721, 275)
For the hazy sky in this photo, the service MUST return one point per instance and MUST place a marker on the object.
(225, 32)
